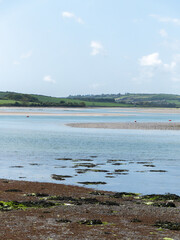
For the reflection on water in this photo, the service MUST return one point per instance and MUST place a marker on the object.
(35, 148)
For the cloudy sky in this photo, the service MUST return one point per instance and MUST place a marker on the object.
(63, 47)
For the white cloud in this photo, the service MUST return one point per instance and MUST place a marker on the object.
(169, 67)
(67, 15)
(26, 55)
(16, 63)
(73, 16)
(150, 60)
(163, 33)
(151, 66)
(166, 19)
(96, 47)
(48, 79)
(153, 60)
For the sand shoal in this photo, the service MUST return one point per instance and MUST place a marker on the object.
(130, 125)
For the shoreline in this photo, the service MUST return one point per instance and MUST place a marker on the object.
(115, 111)
(57, 211)
(129, 125)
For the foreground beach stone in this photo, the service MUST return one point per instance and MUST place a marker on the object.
(32, 210)
(130, 125)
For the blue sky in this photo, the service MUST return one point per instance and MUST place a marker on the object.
(63, 47)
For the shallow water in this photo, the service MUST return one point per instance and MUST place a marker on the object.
(31, 146)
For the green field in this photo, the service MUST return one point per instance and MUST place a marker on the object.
(109, 100)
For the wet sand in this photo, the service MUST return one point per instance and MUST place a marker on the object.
(130, 125)
(22, 111)
(55, 211)
(2, 113)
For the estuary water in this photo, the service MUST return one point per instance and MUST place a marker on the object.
(143, 161)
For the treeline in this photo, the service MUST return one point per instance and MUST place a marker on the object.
(161, 104)
(95, 96)
(28, 100)
(92, 99)
(46, 104)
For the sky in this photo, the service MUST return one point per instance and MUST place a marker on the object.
(69, 47)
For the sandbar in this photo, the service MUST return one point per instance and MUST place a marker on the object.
(130, 125)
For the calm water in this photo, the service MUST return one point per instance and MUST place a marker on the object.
(30, 147)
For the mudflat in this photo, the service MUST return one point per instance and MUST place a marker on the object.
(130, 125)
(33, 210)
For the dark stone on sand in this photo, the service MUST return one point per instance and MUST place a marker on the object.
(97, 193)
(91, 222)
(115, 160)
(13, 190)
(97, 170)
(120, 170)
(88, 165)
(42, 195)
(109, 203)
(64, 159)
(16, 166)
(85, 159)
(164, 204)
(124, 194)
(149, 165)
(118, 164)
(60, 167)
(92, 183)
(34, 164)
(136, 220)
(80, 171)
(63, 221)
(157, 171)
(60, 177)
(168, 225)
(144, 162)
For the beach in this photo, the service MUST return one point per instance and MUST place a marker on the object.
(33, 210)
(130, 125)
(37, 111)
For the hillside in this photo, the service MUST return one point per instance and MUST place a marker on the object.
(103, 100)
(134, 100)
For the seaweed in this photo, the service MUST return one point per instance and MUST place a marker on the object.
(168, 225)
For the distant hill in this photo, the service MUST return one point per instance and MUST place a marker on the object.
(103, 100)
(134, 100)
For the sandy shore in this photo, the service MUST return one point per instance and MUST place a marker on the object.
(59, 114)
(78, 112)
(129, 125)
(31, 210)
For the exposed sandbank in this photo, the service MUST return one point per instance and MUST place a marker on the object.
(36, 111)
(60, 114)
(129, 125)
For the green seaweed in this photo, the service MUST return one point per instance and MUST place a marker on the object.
(168, 225)
(15, 205)
(162, 197)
